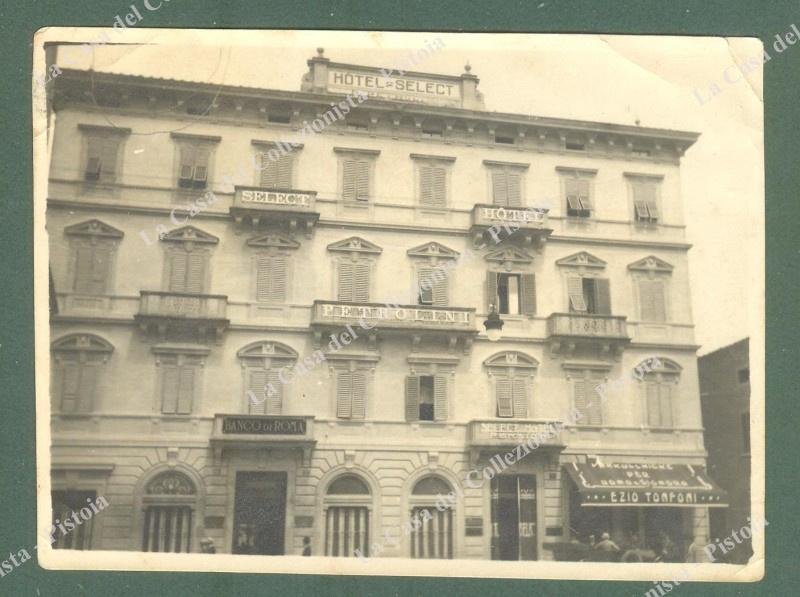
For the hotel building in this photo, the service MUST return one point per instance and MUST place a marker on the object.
(279, 348)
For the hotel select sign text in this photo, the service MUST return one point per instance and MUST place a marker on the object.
(406, 88)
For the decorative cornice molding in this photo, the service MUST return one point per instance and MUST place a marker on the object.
(187, 234)
(511, 358)
(355, 244)
(370, 152)
(433, 249)
(499, 164)
(199, 138)
(272, 239)
(94, 228)
(581, 259)
(651, 264)
(510, 255)
(262, 349)
(437, 158)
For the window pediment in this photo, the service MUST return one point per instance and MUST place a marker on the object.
(509, 256)
(659, 365)
(433, 249)
(267, 349)
(82, 342)
(511, 358)
(274, 240)
(354, 244)
(187, 234)
(93, 228)
(651, 264)
(582, 259)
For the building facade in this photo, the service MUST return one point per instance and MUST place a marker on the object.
(270, 335)
(725, 400)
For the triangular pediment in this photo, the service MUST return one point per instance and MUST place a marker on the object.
(651, 264)
(94, 228)
(582, 259)
(433, 249)
(189, 234)
(354, 244)
(272, 239)
(509, 255)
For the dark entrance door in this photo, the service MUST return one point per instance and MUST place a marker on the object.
(513, 501)
(259, 513)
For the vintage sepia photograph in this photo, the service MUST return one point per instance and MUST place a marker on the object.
(435, 304)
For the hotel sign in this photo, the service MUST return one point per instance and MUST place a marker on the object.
(397, 316)
(492, 215)
(290, 199)
(263, 425)
(426, 90)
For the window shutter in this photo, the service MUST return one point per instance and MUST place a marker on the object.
(346, 281)
(491, 290)
(86, 388)
(665, 399)
(499, 195)
(359, 395)
(84, 265)
(263, 277)
(362, 185)
(186, 170)
(439, 176)
(274, 402)
(269, 172)
(579, 389)
(108, 169)
(186, 389)
(440, 289)
(412, 398)
(519, 392)
(440, 398)
(284, 172)
(426, 186)
(169, 388)
(595, 406)
(94, 156)
(514, 181)
(603, 296)
(257, 380)
(349, 175)
(361, 281)
(425, 282)
(653, 407)
(528, 294)
(200, 168)
(100, 269)
(504, 397)
(644, 199)
(70, 375)
(344, 394)
(177, 275)
(196, 272)
(573, 195)
(651, 297)
(659, 301)
(575, 291)
(277, 285)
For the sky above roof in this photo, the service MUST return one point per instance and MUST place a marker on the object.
(650, 81)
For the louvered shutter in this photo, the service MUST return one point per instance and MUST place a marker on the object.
(277, 285)
(425, 285)
(256, 382)
(94, 158)
(575, 290)
(349, 180)
(528, 294)
(359, 395)
(108, 169)
(84, 264)
(186, 170)
(200, 168)
(514, 182)
(491, 291)
(573, 195)
(602, 296)
(584, 196)
(196, 272)
(644, 200)
(499, 186)
(361, 281)
(439, 398)
(70, 379)
(346, 284)
(594, 405)
(274, 402)
(426, 186)
(579, 395)
(362, 184)
(101, 256)
(178, 265)
(169, 387)
(651, 297)
(186, 388)
(519, 393)
(87, 386)
(344, 395)
(284, 172)
(412, 398)
(440, 288)
(269, 172)
(439, 181)
(263, 277)
(665, 404)
(653, 406)
(504, 398)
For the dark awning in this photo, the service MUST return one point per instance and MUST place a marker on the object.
(634, 484)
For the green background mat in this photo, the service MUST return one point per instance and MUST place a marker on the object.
(782, 122)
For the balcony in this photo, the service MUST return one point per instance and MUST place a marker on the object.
(493, 223)
(604, 333)
(497, 435)
(289, 209)
(182, 316)
(453, 325)
(263, 431)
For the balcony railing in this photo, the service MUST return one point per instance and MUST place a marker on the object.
(497, 222)
(178, 312)
(567, 330)
(289, 207)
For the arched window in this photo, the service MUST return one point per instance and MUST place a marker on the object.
(347, 517)
(659, 378)
(78, 361)
(261, 364)
(169, 511)
(512, 373)
(431, 528)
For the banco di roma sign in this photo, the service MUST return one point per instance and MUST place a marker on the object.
(404, 88)
(263, 426)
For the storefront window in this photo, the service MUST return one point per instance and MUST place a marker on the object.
(168, 514)
(431, 528)
(347, 517)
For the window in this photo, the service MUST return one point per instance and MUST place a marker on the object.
(351, 394)
(426, 398)
(433, 285)
(180, 378)
(262, 363)
(78, 363)
(586, 399)
(271, 275)
(193, 172)
(507, 187)
(65, 504)
(579, 204)
(512, 294)
(276, 173)
(354, 280)
(355, 179)
(658, 390)
(659, 404)
(187, 270)
(589, 295)
(511, 373)
(94, 245)
(504, 139)
(432, 185)
(512, 398)
(645, 202)
(103, 152)
(279, 118)
(743, 375)
(347, 517)
(169, 504)
(745, 422)
(431, 527)
(651, 300)
(574, 144)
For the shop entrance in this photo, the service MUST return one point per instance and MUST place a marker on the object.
(259, 513)
(513, 505)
